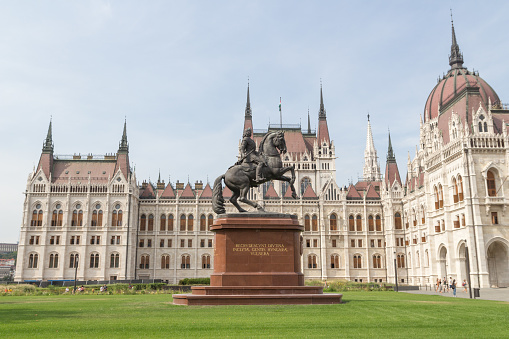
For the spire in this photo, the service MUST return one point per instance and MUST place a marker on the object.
(321, 114)
(371, 170)
(123, 146)
(390, 152)
(248, 103)
(456, 57)
(47, 146)
(309, 123)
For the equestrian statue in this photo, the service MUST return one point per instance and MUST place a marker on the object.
(253, 168)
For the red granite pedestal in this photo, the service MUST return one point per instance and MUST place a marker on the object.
(257, 261)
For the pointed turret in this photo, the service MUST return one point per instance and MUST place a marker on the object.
(309, 123)
(124, 146)
(456, 57)
(371, 170)
(123, 154)
(323, 129)
(391, 167)
(248, 116)
(46, 160)
(47, 146)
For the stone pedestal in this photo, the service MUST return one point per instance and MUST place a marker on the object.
(257, 261)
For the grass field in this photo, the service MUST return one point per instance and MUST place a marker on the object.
(364, 314)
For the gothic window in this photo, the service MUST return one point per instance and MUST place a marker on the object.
(73, 260)
(143, 222)
(423, 213)
(435, 193)
(485, 127)
(170, 223)
(333, 222)
(165, 261)
(377, 261)
(150, 225)
(357, 261)
(463, 220)
(58, 215)
(190, 222)
(490, 182)
(53, 261)
(480, 127)
(312, 261)
(314, 223)
(397, 221)
(114, 260)
(358, 223)
(304, 183)
(77, 216)
(182, 222)
(203, 223)
(440, 196)
(116, 217)
(186, 262)
(97, 216)
(400, 260)
(33, 260)
(334, 261)
(351, 223)
(210, 221)
(307, 223)
(371, 224)
(94, 260)
(205, 261)
(460, 188)
(162, 223)
(145, 261)
(37, 216)
(455, 190)
(378, 223)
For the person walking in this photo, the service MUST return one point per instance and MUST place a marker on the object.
(450, 284)
(465, 285)
(454, 288)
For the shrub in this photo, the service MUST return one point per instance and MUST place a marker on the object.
(195, 281)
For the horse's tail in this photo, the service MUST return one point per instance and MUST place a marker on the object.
(217, 196)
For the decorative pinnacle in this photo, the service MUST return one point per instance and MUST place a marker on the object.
(456, 57)
(309, 123)
(390, 152)
(124, 146)
(248, 102)
(321, 113)
(47, 146)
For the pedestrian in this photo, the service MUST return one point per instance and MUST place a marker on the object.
(465, 284)
(450, 284)
(444, 284)
(454, 288)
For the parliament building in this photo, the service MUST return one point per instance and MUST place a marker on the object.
(87, 215)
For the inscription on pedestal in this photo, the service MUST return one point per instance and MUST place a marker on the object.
(260, 249)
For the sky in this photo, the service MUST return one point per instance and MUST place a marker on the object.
(177, 72)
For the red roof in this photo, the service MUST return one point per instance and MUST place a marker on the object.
(187, 192)
(271, 192)
(288, 193)
(227, 193)
(323, 131)
(207, 192)
(391, 174)
(148, 192)
(309, 193)
(77, 171)
(168, 192)
(372, 193)
(353, 193)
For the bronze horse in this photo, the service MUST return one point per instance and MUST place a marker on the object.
(240, 178)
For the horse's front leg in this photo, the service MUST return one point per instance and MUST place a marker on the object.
(243, 198)
(287, 179)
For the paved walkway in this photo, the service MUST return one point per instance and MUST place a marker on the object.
(501, 294)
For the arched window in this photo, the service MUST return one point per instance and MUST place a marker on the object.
(182, 222)
(417, 259)
(377, 261)
(397, 221)
(314, 223)
(57, 217)
(400, 260)
(427, 258)
(490, 182)
(145, 261)
(440, 196)
(97, 216)
(358, 223)
(485, 126)
(460, 188)
(307, 223)
(312, 261)
(190, 222)
(37, 216)
(114, 260)
(170, 223)
(210, 221)
(77, 216)
(53, 261)
(455, 197)
(378, 223)
(437, 199)
(304, 183)
(143, 222)
(94, 260)
(423, 214)
(33, 260)
(205, 261)
(371, 224)
(116, 216)
(203, 223)
(351, 223)
(333, 222)
(73, 260)
(162, 223)
(165, 261)
(150, 226)
(357, 261)
(334, 261)
(480, 127)
(186, 262)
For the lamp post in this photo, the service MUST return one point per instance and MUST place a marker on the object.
(75, 271)
(467, 263)
(396, 272)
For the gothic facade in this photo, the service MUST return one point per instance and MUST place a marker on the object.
(86, 215)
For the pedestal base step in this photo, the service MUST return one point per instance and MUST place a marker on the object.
(255, 290)
(258, 299)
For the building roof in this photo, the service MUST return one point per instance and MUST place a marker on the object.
(271, 192)
(309, 193)
(99, 171)
(207, 192)
(187, 193)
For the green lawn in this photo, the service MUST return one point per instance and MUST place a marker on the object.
(364, 314)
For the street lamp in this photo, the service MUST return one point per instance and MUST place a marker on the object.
(396, 272)
(75, 271)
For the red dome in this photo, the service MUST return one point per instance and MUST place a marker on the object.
(453, 85)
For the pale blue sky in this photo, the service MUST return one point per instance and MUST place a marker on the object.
(178, 71)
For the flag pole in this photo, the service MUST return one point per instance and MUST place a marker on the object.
(280, 115)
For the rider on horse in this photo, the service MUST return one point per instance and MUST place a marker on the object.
(249, 155)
